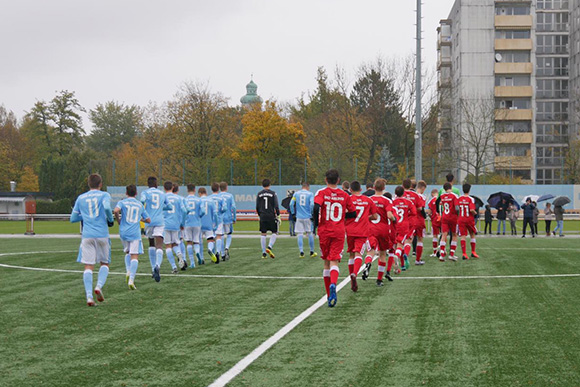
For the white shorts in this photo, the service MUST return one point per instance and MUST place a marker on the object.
(228, 228)
(95, 250)
(133, 247)
(208, 234)
(220, 229)
(171, 237)
(303, 225)
(154, 231)
(192, 234)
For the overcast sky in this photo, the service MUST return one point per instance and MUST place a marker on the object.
(136, 51)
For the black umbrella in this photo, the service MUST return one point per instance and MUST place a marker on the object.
(495, 199)
(478, 202)
(286, 203)
(561, 201)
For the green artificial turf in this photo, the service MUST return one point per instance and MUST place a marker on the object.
(187, 331)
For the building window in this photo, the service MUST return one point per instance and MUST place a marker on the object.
(552, 67)
(552, 88)
(551, 111)
(513, 126)
(515, 9)
(513, 103)
(509, 34)
(513, 56)
(552, 44)
(552, 4)
(550, 156)
(552, 21)
(513, 150)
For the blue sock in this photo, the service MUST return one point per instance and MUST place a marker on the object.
(300, 243)
(152, 257)
(210, 246)
(102, 277)
(182, 249)
(228, 241)
(88, 280)
(159, 255)
(219, 244)
(190, 253)
(198, 252)
(311, 241)
(127, 261)
(170, 258)
(177, 252)
(133, 269)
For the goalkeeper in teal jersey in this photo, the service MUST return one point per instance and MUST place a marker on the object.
(301, 206)
(128, 213)
(94, 209)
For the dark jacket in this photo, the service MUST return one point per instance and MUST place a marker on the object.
(559, 211)
(488, 216)
(501, 211)
(528, 210)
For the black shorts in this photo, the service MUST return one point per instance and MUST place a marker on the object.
(268, 225)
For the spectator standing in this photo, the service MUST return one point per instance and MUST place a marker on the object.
(512, 216)
(548, 217)
(529, 217)
(535, 218)
(559, 212)
(488, 217)
(346, 187)
(501, 215)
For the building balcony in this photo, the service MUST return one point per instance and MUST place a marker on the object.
(514, 68)
(514, 91)
(443, 62)
(514, 22)
(513, 162)
(513, 138)
(513, 44)
(514, 114)
(443, 40)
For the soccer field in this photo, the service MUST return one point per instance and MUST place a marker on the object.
(480, 322)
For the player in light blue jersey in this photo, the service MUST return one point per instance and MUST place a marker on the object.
(192, 231)
(229, 218)
(221, 209)
(209, 223)
(94, 209)
(181, 242)
(129, 212)
(155, 202)
(174, 219)
(301, 206)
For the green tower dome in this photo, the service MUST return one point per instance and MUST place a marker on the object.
(251, 96)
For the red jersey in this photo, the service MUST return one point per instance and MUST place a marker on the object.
(381, 225)
(466, 204)
(448, 204)
(360, 226)
(435, 217)
(405, 212)
(334, 204)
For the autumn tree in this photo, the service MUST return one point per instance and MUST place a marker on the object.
(114, 124)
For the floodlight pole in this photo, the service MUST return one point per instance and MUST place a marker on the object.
(418, 95)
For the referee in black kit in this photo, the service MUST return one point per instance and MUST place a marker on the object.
(269, 213)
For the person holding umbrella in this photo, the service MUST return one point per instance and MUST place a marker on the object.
(559, 212)
(501, 215)
(512, 215)
(536, 214)
(488, 219)
(528, 217)
(548, 217)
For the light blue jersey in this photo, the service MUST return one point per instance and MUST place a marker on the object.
(209, 220)
(302, 204)
(220, 206)
(230, 206)
(94, 209)
(155, 201)
(132, 212)
(195, 211)
(175, 216)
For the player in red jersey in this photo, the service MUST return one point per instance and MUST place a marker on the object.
(331, 204)
(406, 211)
(435, 220)
(466, 221)
(419, 227)
(357, 233)
(379, 238)
(448, 203)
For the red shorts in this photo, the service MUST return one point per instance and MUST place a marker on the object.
(331, 248)
(356, 244)
(466, 228)
(380, 243)
(404, 232)
(449, 225)
(420, 229)
(436, 228)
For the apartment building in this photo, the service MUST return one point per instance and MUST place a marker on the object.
(512, 57)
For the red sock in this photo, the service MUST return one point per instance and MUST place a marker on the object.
(419, 251)
(368, 259)
(435, 246)
(442, 248)
(399, 253)
(473, 245)
(381, 270)
(452, 249)
(407, 250)
(464, 247)
(350, 266)
(334, 275)
(357, 264)
(391, 262)
(326, 274)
